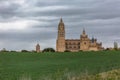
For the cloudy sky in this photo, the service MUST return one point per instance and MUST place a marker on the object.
(24, 23)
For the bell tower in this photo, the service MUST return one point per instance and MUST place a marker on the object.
(60, 43)
(84, 41)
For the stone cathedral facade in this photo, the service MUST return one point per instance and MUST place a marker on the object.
(75, 45)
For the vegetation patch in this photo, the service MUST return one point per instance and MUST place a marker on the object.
(13, 65)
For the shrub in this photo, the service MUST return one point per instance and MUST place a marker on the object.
(67, 51)
(24, 51)
(80, 50)
(48, 50)
(13, 51)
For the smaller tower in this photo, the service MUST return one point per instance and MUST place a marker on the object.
(37, 48)
(84, 41)
(92, 40)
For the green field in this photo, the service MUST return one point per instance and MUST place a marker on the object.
(36, 65)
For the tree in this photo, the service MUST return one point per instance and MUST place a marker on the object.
(48, 50)
(4, 50)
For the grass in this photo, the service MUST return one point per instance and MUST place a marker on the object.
(14, 66)
(109, 75)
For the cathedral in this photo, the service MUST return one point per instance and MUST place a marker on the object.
(75, 45)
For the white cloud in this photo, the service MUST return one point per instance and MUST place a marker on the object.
(46, 8)
(17, 25)
(13, 25)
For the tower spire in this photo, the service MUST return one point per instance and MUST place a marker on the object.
(61, 23)
(84, 31)
(61, 20)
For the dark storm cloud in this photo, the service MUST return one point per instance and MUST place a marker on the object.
(101, 18)
(8, 10)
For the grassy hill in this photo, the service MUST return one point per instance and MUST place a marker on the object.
(36, 65)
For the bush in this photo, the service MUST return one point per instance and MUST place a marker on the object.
(13, 51)
(24, 51)
(80, 50)
(48, 50)
(107, 49)
(67, 51)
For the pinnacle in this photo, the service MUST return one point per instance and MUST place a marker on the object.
(61, 20)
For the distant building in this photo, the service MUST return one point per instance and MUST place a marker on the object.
(74, 45)
(115, 45)
(37, 48)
